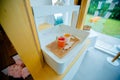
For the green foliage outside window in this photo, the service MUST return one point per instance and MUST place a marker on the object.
(104, 8)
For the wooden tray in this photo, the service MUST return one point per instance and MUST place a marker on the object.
(60, 52)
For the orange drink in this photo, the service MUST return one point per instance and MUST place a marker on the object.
(67, 36)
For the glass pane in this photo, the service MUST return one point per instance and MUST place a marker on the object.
(104, 17)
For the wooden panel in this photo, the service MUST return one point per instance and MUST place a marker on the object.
(33, 28)
(15, 17)
(75, 2)
(7, 50)
(82, 13)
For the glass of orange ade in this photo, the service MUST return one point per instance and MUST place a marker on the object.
(67, 36)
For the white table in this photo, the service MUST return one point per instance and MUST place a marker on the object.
(49, 35)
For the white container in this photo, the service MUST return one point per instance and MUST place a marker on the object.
(47, 36)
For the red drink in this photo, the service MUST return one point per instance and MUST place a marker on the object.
(61, 42)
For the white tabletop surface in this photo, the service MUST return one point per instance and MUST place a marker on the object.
(49, 35)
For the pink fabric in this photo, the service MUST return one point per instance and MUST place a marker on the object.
(25, 72)
(18, 69)
(19, 62)
(15, 71)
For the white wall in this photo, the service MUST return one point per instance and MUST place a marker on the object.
(40, 2)
(43, 7)
(43, 19)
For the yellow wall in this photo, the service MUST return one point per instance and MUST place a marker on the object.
(15, 17)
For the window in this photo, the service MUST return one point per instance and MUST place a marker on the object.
(103, 16)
